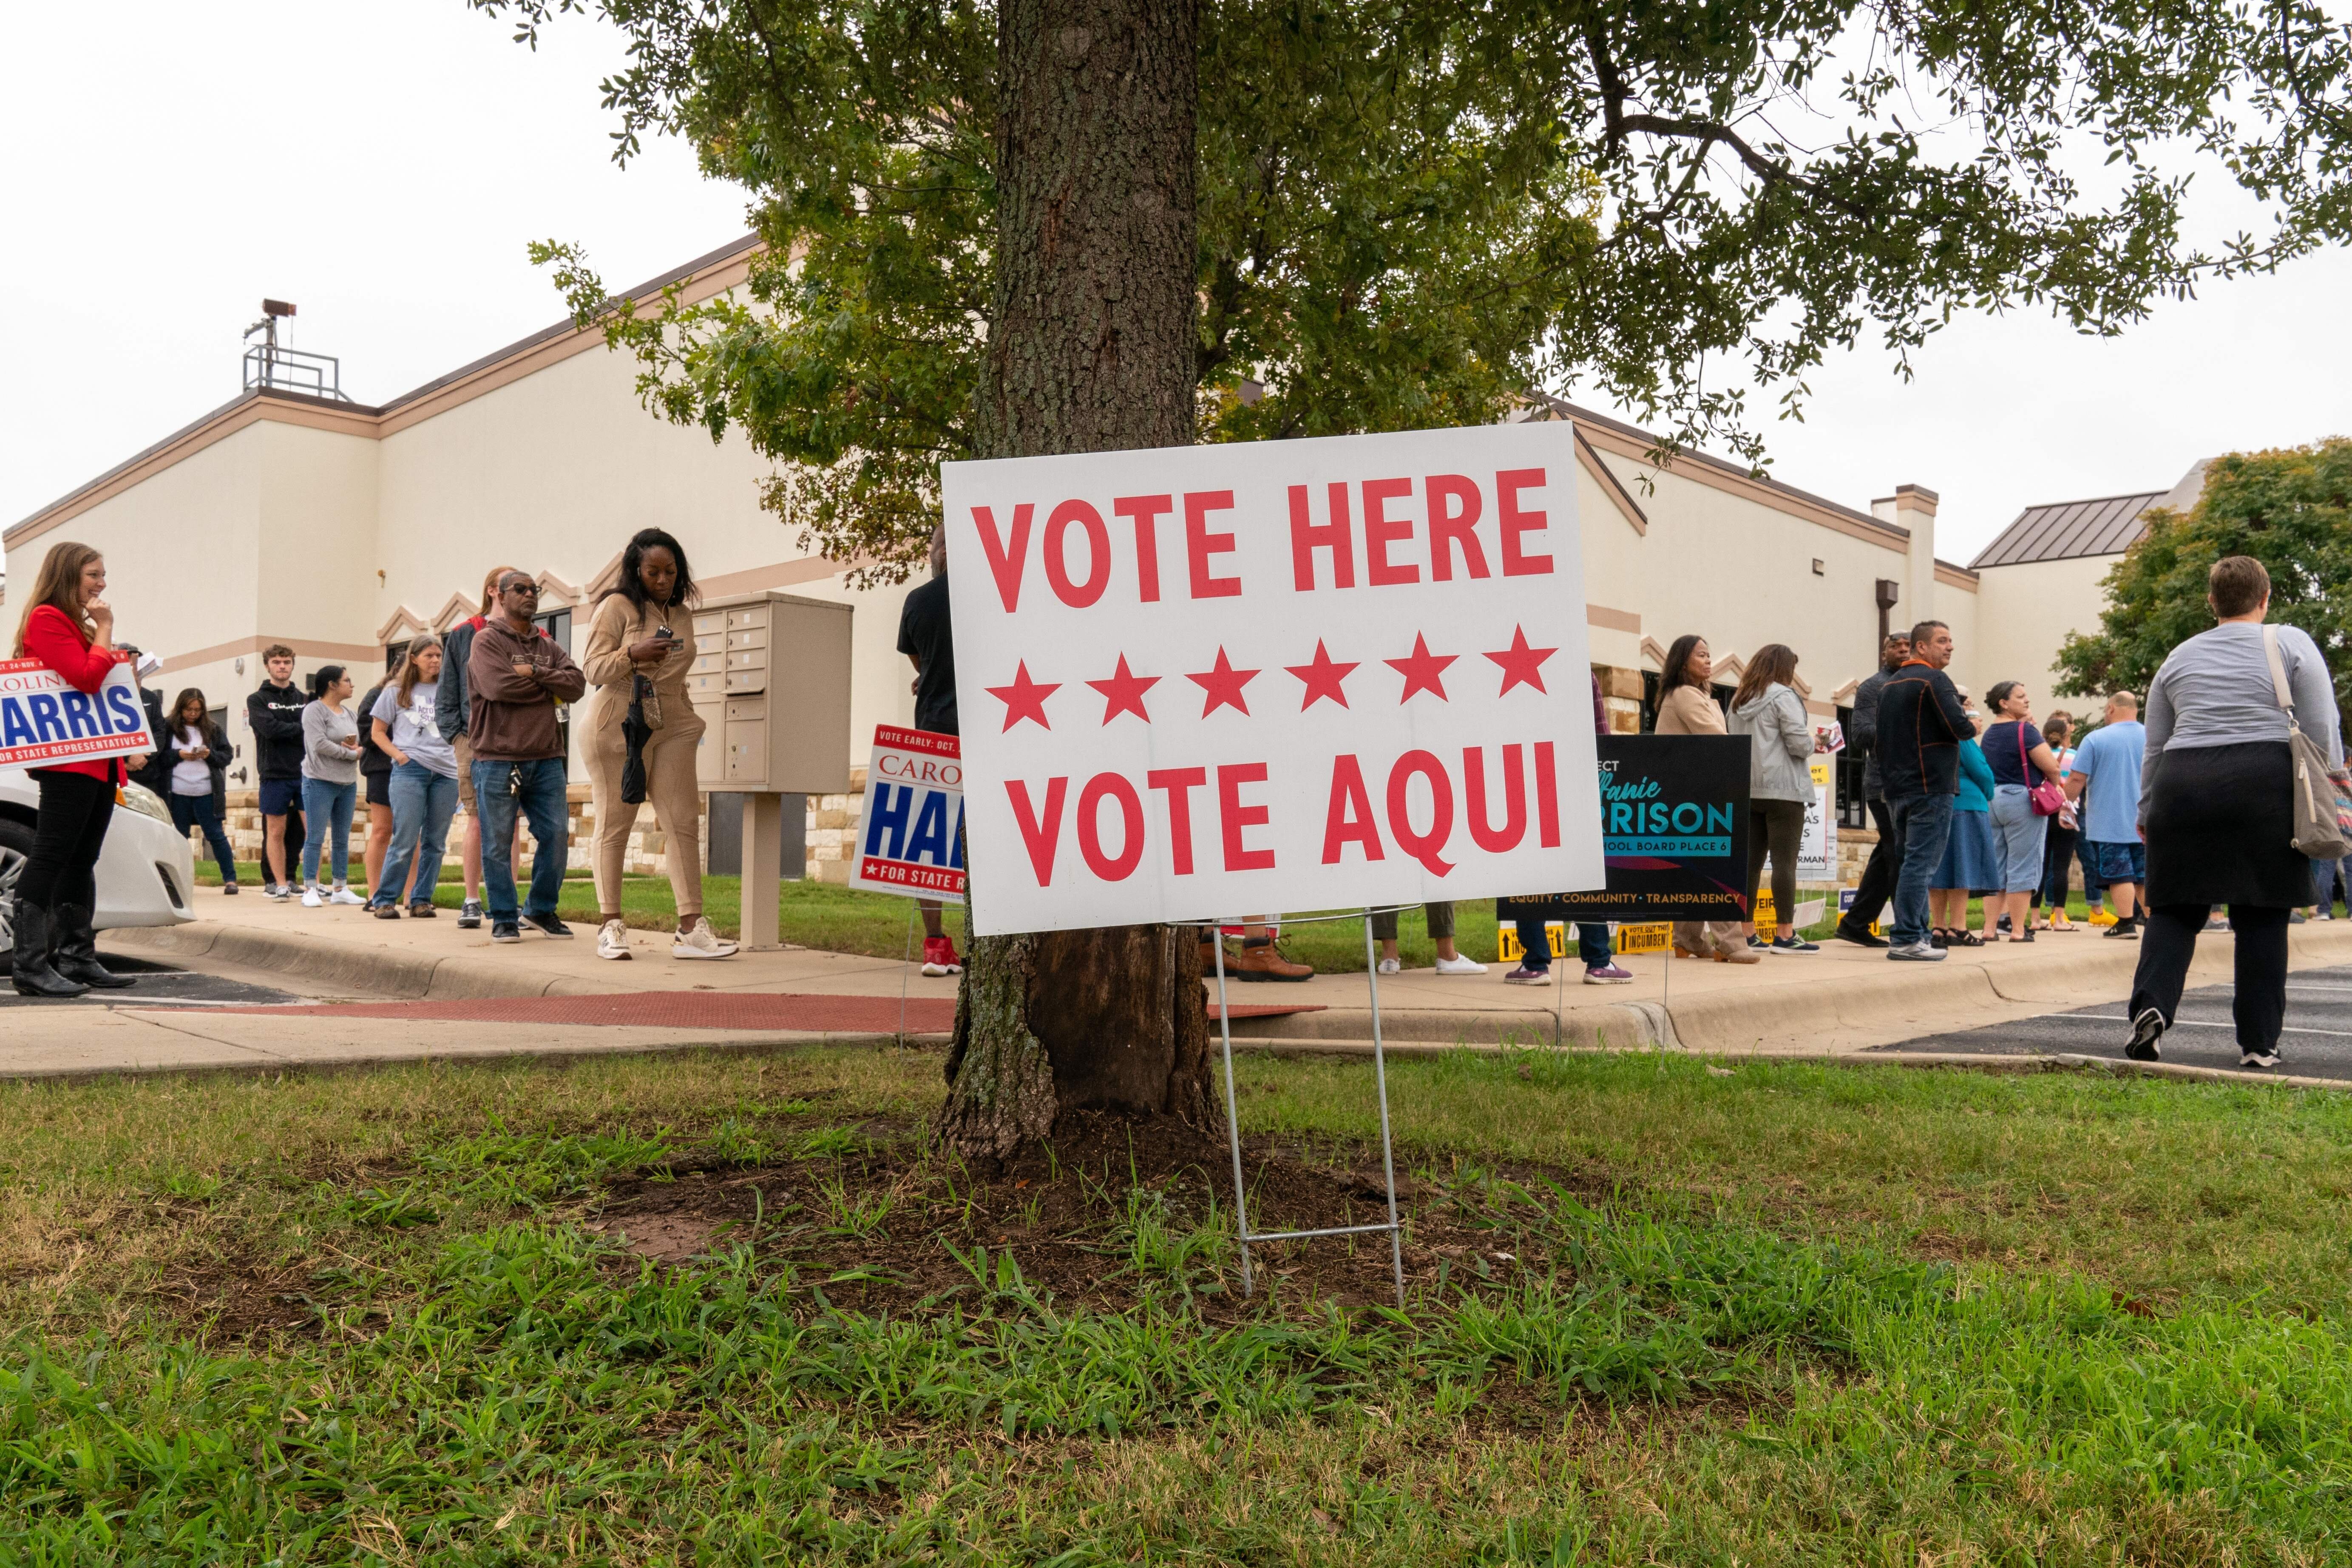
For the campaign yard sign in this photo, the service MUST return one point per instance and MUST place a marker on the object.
(44, 722)
(910, 832)
(1674, 828)
(1234, 680)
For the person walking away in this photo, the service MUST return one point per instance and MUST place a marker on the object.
(642, 631)
(2021, 759)
(422, 784)
(1440, 917)
(2217, 804)
(1969, 862)
(199, 777)
(2105, 778)
(926, 637)
(1592, 945)
(1921, 724)
(330, 773)
(376, 778)
(1767, 708)
(2058, 842)
(1685, 707)
(454, 712)
(515, 675)
(1878, 884)
(67, 625)
(274, 712)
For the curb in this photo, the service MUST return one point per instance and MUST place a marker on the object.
(399, 975)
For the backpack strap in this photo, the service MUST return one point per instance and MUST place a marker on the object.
(2279, 691)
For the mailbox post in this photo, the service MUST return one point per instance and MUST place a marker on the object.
(770, 683)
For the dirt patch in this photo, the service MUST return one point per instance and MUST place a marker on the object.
(1106, 1211)
(239, 1297)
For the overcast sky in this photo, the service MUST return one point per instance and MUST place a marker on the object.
(384, 167)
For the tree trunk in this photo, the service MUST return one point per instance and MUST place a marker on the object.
(1090, 349)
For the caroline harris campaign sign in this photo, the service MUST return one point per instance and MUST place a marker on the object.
(43, 720)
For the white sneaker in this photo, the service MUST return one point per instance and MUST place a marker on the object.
(343, 895)
(613, 941)
(1387, 966)
(698, 940)
(310, 898)
(1458, 964)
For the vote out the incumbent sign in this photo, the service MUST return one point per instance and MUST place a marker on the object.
(1236, 679)
(44, 722)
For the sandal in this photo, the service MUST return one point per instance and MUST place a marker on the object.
(1963, 937)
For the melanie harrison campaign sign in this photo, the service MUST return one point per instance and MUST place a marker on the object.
(1238, 680)
(44, 722)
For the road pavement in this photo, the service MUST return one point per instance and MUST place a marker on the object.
(2317, 1042)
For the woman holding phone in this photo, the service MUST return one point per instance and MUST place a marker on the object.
(199, 777)
(68, 626)
(331, 782)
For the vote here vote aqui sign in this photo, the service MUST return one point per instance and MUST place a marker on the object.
(44, 722)
(1248, 678)
(910, 827)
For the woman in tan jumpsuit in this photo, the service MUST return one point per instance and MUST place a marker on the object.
(645, 625)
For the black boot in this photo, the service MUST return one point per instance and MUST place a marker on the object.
(30, 963)
(74, 952)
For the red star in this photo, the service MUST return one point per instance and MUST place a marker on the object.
(1424, 671)
(1224, 684)
(1322, 677)
(1522, 665)
(1024, 698)
(1124, 691)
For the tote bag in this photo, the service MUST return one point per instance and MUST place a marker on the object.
(2323, 794)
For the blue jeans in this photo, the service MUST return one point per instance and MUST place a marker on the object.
(327, 805)
(201, 811)
(539, 794)
(1926, 821)
(422, 803)
(1535, 944)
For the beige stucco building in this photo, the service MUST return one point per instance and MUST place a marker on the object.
(342, 529)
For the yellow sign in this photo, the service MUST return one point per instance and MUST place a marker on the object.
(1649, 937)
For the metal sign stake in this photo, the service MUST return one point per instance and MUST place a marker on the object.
(1394, 1227)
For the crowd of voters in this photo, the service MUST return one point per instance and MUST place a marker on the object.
(2168, 815)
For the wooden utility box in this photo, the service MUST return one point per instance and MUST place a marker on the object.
(770, 683)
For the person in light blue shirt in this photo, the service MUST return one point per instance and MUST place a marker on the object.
(2104, 782)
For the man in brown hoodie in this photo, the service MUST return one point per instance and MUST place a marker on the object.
(515, 676)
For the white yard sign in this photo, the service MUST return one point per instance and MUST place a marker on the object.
(1238, 680)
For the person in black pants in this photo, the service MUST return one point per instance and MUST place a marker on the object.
(1878, 884)
(54, 947)
(195, 782)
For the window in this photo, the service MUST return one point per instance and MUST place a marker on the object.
(1852, 810)
(557, 625)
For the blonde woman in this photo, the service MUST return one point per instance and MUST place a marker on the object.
(642, 634)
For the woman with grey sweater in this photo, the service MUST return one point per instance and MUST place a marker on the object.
(2217, 806)
(1767, 708)
(330, 777)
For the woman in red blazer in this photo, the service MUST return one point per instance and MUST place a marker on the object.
(67, 625)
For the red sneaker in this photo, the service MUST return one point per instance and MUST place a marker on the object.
(939, 956)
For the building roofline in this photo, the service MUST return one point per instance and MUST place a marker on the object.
(2148, 500)
(253, 403)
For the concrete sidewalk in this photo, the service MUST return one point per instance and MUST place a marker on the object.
(1841, 999)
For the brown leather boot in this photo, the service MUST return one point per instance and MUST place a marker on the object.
(1260, 961)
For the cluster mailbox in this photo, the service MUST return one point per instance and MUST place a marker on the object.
(770, 683)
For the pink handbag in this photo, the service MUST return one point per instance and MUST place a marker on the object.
(2046, 798)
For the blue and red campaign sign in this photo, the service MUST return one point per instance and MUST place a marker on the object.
(910, 832)
(44, 722)
(1233, 679)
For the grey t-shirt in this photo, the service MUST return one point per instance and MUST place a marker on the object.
(2216, 690)
(323, 757)
(413, 728)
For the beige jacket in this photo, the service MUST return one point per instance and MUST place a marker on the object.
(1687, 711)
(615, 624)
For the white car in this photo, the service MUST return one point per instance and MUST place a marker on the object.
(146, 873)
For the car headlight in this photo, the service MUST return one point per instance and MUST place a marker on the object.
(145, 801)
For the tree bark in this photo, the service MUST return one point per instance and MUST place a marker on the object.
(1090, 348)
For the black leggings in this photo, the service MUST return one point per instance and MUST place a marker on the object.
(75, 810)
(1778, 826)
(2168, 941)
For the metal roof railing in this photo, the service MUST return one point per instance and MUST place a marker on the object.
(291, 370)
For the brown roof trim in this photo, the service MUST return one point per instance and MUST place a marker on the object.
(1633, 441)
(488, 374)
(1953, 576)
(1611, 485)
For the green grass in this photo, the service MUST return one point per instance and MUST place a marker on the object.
(1768, 1314)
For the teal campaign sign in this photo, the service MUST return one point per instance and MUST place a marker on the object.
(1673, 833)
